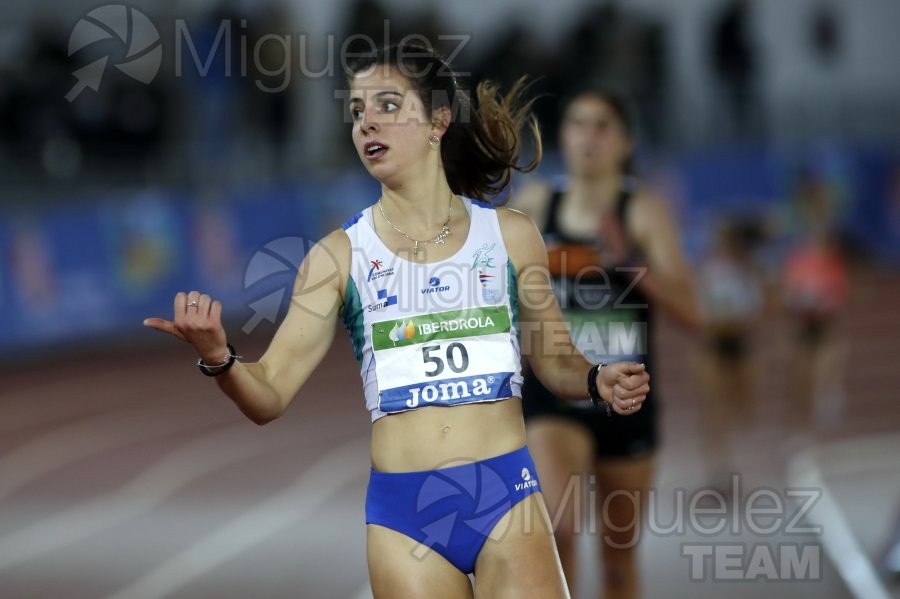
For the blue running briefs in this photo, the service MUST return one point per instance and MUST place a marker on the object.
(452, 510)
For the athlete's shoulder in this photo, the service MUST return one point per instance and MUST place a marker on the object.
(476, 203)
(354, 230)
(325, 266)
(521, 236)
(336, 239)
(332, 252)
(352, 221)
(514, 221)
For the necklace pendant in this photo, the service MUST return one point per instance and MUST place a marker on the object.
(445, 232)
(418, 250)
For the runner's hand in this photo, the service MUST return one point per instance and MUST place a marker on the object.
(625, 385)
(198, 321)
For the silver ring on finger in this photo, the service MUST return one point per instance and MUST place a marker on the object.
(193, 304)
(632, 405)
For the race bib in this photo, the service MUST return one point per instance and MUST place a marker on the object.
(446, 358)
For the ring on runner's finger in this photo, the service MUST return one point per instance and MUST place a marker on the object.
(193, 304)
(632, 404)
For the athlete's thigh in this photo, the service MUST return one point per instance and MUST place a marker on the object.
(519, 560)
(401, 567)
(563, 452)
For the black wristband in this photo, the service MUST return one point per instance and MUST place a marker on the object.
(593, 391)
(221, 368)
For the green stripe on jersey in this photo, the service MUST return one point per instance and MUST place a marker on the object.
(453, 324)
(353, 319)
(512, 285)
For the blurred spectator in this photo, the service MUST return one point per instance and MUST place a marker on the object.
(212, 102)
(611, 44)
(366, 24)
(270, 88)
(733, 60)
(825, 33)
(512, 55)
(815, 289)
(120, 125)
(731, 295)
(816, 293)
(37, 119)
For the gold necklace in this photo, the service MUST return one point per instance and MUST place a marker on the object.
(439, 240)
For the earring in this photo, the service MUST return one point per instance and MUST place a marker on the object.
(434, 141)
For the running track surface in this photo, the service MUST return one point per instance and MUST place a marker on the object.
(127, 474)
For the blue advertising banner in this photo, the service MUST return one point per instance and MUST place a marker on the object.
(98, 268)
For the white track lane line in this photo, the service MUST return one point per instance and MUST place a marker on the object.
(94, 435)
(838, 539)
(853, 456)
(149, 488)
(301, 500)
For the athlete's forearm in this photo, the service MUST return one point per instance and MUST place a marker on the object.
(565, 376)
(248, 388)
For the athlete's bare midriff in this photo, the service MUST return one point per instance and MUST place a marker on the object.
(438, 437)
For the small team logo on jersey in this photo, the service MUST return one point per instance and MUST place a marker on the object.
(384, 300)
(435, 286)
(489, 292)
(403, 331)
(377, 271)
(482, 256)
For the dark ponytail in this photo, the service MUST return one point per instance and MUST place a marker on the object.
(483, 142)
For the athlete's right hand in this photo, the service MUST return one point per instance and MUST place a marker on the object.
(198, 321)
(625, 385)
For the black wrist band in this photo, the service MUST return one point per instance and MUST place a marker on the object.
(593, 391)
(220, 368)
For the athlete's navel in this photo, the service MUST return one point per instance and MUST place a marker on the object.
(445, 431)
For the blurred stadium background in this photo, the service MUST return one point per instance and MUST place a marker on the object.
(152, 147)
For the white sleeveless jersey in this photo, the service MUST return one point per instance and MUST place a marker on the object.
(439, 334)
